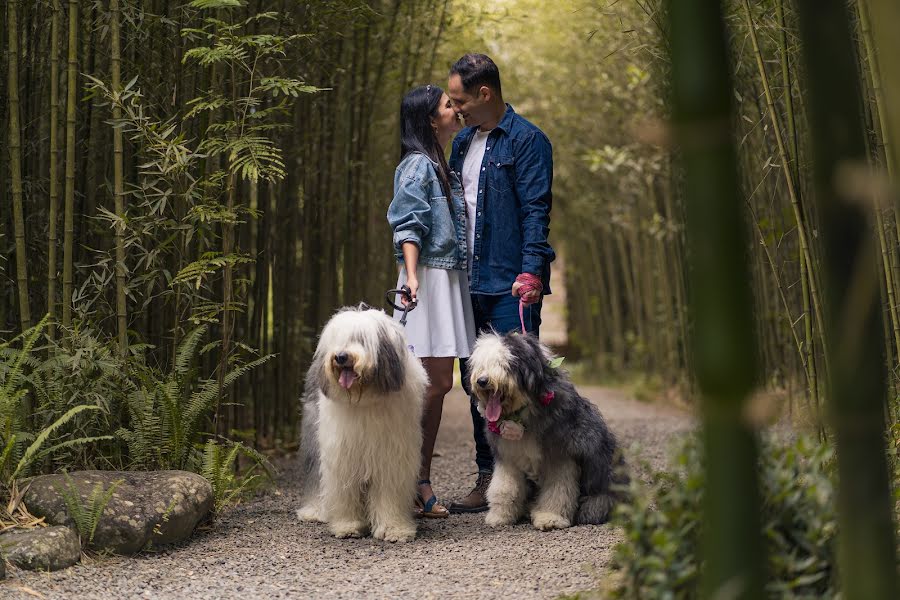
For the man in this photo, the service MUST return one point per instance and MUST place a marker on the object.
(506, 166)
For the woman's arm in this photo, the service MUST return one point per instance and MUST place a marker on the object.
(411, 260)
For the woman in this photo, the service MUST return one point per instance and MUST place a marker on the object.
(428, 216)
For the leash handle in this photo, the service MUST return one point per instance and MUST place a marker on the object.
(391, 297)
(529, 283)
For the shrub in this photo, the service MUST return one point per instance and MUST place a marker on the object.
(659, 557)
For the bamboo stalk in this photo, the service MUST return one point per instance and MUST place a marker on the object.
(620, 358)
(789, 180)
(892, 266)
(867, 546)
(787, 87)
(52, 241)
(809, 341)
(888, 275)
(885, 14)
(780, 288)
(880, 102)
(118, 184)
(15, 164)
(723, 340)
(69, 218)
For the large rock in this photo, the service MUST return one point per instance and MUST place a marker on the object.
(42, 549)
(147, 508)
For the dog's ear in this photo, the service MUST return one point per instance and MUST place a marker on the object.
(315, 375)
(528, 359)
(390, 366)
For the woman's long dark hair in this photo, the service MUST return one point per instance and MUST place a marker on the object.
(416, 134)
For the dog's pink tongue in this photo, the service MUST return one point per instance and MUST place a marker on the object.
(494, 410)
(348, 376)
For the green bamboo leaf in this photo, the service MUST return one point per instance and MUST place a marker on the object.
(214, 4)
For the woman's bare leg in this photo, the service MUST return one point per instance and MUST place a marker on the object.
(440, 376)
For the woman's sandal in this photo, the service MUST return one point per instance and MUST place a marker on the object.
(430, 509)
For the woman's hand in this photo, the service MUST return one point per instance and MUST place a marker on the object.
(413, 284)
(410, 261)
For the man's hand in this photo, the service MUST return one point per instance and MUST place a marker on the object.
(532, 288)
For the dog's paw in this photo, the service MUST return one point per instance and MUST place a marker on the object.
(546, 521)
(310, 513)
(349, 529)
(395, 533)
(499, 518)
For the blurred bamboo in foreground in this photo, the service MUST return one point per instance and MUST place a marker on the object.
(723, 339)
(857, 380)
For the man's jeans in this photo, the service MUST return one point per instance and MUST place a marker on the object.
(502, 314)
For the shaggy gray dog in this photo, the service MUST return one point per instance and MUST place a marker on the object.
(541, 429)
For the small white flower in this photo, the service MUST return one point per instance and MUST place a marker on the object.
(510, 430)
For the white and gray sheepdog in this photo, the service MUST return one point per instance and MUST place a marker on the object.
(541, 429)
(361, 437)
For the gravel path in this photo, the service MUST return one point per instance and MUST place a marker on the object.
(259, 550)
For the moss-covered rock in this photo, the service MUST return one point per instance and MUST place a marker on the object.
(42, 549)
(147, 508)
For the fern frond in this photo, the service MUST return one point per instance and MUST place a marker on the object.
(186, 351)
(74, 443)
(205, 398)
(86, 516)
(31, 453)
(15, 373)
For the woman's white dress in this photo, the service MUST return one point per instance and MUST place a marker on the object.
(442, 324)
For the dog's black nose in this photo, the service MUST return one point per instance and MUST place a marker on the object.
(482, 381)
(340, 358)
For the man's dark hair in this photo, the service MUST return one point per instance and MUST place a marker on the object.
(476, 70)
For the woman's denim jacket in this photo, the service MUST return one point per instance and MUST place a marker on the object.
(420, 213)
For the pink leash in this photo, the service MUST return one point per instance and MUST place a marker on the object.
(530, 283)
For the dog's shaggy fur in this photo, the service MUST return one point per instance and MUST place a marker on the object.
(566, 447)
(361, 436)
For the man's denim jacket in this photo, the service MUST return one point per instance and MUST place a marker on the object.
(512, 218)
(420, 213)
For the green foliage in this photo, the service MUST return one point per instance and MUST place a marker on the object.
(167, 412)
(21, 444)
(86, 514)
(212, 4)
(240, 135)
(13, 394)
(893, 454)
(82, 368)
(219, 467)
(159, 418)
(662, 525)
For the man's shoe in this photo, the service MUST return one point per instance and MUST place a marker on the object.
(476, 501)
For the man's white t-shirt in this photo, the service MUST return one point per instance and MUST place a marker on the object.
(471, 171)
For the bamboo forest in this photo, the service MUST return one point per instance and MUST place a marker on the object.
(694, 203)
